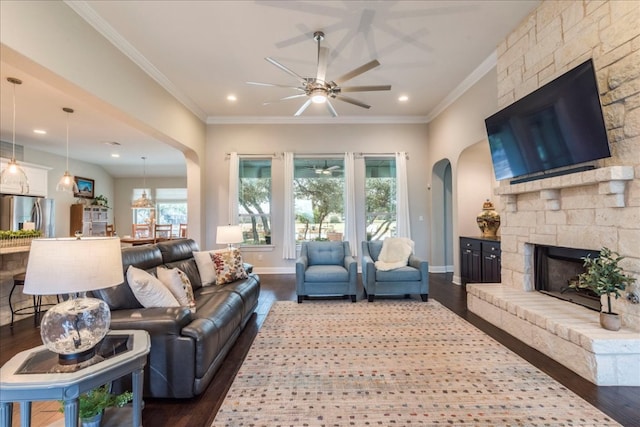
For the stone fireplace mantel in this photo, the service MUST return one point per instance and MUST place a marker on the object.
(611, 183)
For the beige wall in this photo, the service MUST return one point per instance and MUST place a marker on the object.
(458, 134)
(299, 139)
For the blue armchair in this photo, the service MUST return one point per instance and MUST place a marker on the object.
(410, 279)
(326, 268)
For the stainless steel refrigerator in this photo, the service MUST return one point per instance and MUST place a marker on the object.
(17, 210)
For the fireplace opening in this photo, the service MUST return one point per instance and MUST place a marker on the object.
(556, 267)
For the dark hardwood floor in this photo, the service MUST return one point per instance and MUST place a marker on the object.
(620, 403)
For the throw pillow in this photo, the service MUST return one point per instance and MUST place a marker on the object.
(228, 265)
(148, 290)
(395, 253)
(206, 268)
(178, 283)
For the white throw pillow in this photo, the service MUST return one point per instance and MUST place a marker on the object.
(395, 253)
(206, 267)
(178, 284)
(148, 290)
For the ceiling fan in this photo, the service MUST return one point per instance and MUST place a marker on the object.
(326, 170)
(318, 89)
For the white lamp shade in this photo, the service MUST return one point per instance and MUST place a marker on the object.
(68, 265)
(229, 234)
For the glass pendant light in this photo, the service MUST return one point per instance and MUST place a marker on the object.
(143, 202)
(13, 175)
(67, 183)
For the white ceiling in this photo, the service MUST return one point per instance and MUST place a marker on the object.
(203, 51)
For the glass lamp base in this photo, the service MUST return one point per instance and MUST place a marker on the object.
(74, 327)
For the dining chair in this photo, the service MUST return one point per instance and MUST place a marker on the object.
(183, 230)
(111, 230)
(162, 231)
(141, 230)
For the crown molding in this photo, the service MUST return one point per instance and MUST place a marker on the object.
(480, 71)
(257, 120)
(86, 12)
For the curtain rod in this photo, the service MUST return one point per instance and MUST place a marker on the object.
(278, 155)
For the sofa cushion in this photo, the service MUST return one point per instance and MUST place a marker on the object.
(178, 283)
(148, 290)
(229, 266)
(326, 273)
(325, 253)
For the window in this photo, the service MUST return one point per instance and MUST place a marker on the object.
(254, 200)
(170, 208)
(319, 199)
(380, 190)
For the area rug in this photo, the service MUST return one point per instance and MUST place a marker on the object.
(390, 363)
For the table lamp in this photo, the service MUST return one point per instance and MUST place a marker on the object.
(74, 266)
(229, 234)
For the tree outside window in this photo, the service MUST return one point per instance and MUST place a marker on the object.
(319, 199)
(254, 201)
(380, 190)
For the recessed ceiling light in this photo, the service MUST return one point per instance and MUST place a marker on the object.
(40, 131)
(115, 155)
(403, 98)
(231, 98)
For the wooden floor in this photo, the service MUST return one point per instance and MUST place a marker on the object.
(620, 403)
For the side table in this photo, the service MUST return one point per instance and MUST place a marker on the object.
(34, 375)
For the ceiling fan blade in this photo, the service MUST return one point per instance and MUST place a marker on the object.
(275, 85)
(285, 69)
(323, 56)
(285, 98)
(353, 73)
(304, 107)
(331, 110)
(352, 101)
(364, 88)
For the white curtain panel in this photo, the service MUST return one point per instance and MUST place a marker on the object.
(350, 203)
(289, 236)
(403, 223)
(234, 183)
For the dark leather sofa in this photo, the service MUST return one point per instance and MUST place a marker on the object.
(186, 348)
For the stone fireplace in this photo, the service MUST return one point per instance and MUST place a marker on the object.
(585, 210)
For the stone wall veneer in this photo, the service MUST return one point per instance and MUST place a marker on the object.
(591, 209)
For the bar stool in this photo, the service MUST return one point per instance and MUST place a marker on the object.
(35, 309)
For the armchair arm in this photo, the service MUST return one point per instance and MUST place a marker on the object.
(301, 265)
(421, 265)
(368, 270)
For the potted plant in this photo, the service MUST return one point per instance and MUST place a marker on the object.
(93, 403)
(101, 201)
(604, 276)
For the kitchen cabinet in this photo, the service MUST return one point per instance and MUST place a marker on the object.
(36, 175)
(480, 260)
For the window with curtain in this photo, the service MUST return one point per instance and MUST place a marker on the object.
(380, 196)
(319, 198)
(254, 200)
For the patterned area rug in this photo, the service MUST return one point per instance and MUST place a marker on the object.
(390, 363)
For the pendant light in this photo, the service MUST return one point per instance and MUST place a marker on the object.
(67, 183)
(143, 202)
(13, 175)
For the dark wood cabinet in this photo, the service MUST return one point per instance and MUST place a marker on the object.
(479, 260)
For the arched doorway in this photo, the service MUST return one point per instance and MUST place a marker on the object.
(442, 214)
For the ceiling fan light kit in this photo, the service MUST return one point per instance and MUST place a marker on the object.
(317, 89)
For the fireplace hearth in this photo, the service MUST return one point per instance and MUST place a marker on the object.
(556, 267)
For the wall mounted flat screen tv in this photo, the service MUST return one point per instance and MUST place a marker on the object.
(558, 125)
